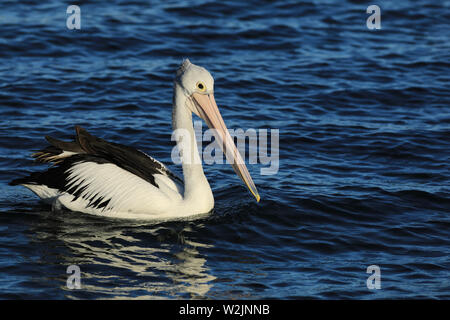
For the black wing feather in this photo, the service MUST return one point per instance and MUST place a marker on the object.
(97, 149)
(88, 148)
(57, 177)
(125, 157)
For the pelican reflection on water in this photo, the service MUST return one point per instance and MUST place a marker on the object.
(123, 259)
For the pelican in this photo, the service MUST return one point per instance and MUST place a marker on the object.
(93, 176)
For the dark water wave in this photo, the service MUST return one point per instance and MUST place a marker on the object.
(364, 147)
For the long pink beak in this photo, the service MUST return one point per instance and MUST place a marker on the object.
(207, 110)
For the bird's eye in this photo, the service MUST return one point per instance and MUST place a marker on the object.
(201, 86)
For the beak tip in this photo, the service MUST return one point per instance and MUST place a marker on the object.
(258, 198)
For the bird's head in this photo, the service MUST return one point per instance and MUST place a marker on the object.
(197, 85)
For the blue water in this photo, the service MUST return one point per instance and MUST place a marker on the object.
(364, 124)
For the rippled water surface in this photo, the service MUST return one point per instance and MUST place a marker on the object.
(364, 126)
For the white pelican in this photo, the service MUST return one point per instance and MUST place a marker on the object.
(94, 176)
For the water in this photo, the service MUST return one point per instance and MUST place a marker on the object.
(364, 147)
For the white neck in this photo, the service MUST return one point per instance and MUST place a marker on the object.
(197, 192)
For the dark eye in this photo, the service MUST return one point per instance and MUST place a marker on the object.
(201, 86)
